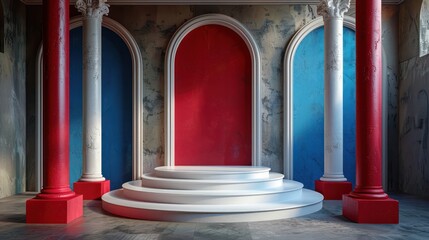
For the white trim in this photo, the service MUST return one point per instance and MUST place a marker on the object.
(288, 88)
(226, 21)
(206, 2)
(137, 68)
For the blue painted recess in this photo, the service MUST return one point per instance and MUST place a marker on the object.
(308, 108)
(116, 108)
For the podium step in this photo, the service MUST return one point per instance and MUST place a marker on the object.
(212, 172)
(152, 181)
(289, 190)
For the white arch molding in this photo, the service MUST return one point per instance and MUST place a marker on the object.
(424, 28)
(288, 88)
(137, 78)
(231, 23)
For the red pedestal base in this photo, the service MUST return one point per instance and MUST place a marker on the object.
(92, 190)
(381, 211)
(333, 190)
(65, 210)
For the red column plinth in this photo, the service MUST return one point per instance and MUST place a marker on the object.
(92, 190)
(368, 203)
(333, 190)
(363, 210)
(55, 210)
(56, 203)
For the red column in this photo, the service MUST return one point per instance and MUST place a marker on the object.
(56, 203)
(368, 203)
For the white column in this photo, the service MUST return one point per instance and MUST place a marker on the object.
(333, 14)
(92, 11)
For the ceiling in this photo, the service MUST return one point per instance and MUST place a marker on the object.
(206, 2)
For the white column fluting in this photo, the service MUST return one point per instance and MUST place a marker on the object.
(333, 15)
(92, 11)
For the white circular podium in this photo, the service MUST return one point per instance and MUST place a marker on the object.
(212, 194)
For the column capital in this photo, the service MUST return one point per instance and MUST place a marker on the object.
(333, 8)
(92, 8)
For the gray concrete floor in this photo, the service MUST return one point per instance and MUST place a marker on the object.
(328, 223)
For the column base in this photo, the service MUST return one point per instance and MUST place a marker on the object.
(92, 190)
(40, 210)
(333, 190)
(380, 211)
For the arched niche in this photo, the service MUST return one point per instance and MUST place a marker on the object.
(137, 99)
(199, 23)
(424, 29)
(288, 159)
(288, 156)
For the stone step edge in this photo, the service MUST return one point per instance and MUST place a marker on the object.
(308, 197)
(288, 186)
(212, 172)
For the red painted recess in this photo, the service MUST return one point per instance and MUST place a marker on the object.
(213, 98)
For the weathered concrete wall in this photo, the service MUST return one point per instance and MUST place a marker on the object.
(153, 27)
(12, 100)
(413, 104)
(390, 92)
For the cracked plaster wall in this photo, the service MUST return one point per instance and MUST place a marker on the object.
(153, 26)
(271, 26)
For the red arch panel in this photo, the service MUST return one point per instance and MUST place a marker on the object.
(213, 98)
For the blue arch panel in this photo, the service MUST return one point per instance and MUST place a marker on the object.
(116, 108)
(308, 108)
